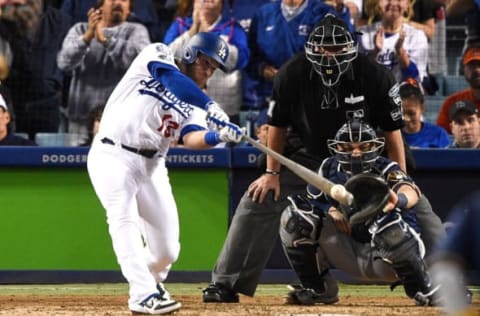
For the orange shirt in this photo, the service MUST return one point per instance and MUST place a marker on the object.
(442, 119)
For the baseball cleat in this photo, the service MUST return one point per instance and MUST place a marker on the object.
(156, 304)
(427, 299)
(219, 293)
(303, 296)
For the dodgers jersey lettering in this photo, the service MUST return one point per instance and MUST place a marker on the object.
(152, 116)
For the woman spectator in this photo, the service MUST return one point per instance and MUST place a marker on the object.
(417, 133)
(393, 42)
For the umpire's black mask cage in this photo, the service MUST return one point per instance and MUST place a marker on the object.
(331, 48)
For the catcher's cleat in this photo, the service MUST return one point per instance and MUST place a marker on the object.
(427, 299)
(156, 304)
(303, 296)
(219, 293)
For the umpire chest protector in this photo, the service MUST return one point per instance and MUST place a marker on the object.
(363, 91)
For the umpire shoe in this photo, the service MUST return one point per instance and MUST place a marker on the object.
(219, 293)
(156, 304)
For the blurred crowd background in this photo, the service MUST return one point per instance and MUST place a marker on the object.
(60, 60)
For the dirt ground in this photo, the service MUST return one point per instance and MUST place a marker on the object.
(33, 305)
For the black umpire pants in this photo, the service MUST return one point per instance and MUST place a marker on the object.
(252, 236)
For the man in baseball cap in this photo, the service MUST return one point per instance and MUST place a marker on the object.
(471, 72)
(465, 124)
(472, 54)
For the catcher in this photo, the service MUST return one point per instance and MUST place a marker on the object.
(375, 239)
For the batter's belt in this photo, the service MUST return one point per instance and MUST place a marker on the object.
(148, 153)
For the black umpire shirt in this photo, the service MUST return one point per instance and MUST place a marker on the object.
(304, 103)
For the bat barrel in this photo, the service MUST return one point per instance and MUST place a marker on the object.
(306, 174)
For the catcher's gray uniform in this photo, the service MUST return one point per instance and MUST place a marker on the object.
(380, 247)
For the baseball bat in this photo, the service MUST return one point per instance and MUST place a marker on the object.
(336, 191)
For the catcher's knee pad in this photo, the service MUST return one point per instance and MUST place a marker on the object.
(299, 224)
(400, 246)
(394, 238)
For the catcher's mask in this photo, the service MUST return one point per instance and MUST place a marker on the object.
(356, 147)
(331, 48)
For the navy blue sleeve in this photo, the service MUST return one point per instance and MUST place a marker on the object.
(179, 84)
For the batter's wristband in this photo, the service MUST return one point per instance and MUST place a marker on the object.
(272, 172)
(402, 200)
(212, 138)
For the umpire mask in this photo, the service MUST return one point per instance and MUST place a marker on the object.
(331, 48)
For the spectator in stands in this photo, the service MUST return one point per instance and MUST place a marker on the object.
(166, 13)
(470, 9)
(97, 53)
(393, 42)
(224, 88)
(7, 136)
(183, 10)
(5, 61)
(416, 133)
(428, 16)
(341, 10)
(94, 118)
(422, 17)
(278, 31)
(471, 72)
(261, 127)
(437, 51)
(355, 8)
(243, 12)
(142, 11)
(465, 125)
(54, 3)
(34, 31)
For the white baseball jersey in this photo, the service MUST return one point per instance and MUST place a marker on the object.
(416, 45)
(134, 189)
(142, 112)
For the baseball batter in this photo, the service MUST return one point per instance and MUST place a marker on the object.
(155, 103)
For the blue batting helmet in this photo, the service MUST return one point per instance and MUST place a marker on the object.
(208, 44)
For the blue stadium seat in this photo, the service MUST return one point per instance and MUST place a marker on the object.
(452, 84)
(22, 135)
(59, 139)
(433, 103)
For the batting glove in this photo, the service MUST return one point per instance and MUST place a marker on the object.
(216, 117)
(231, 133)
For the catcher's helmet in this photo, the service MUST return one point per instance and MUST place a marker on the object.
(208, 44)
(356, 147)
(331, 48)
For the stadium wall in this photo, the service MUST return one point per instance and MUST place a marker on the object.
(53, 228)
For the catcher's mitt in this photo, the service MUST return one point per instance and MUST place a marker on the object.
(370, 195)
